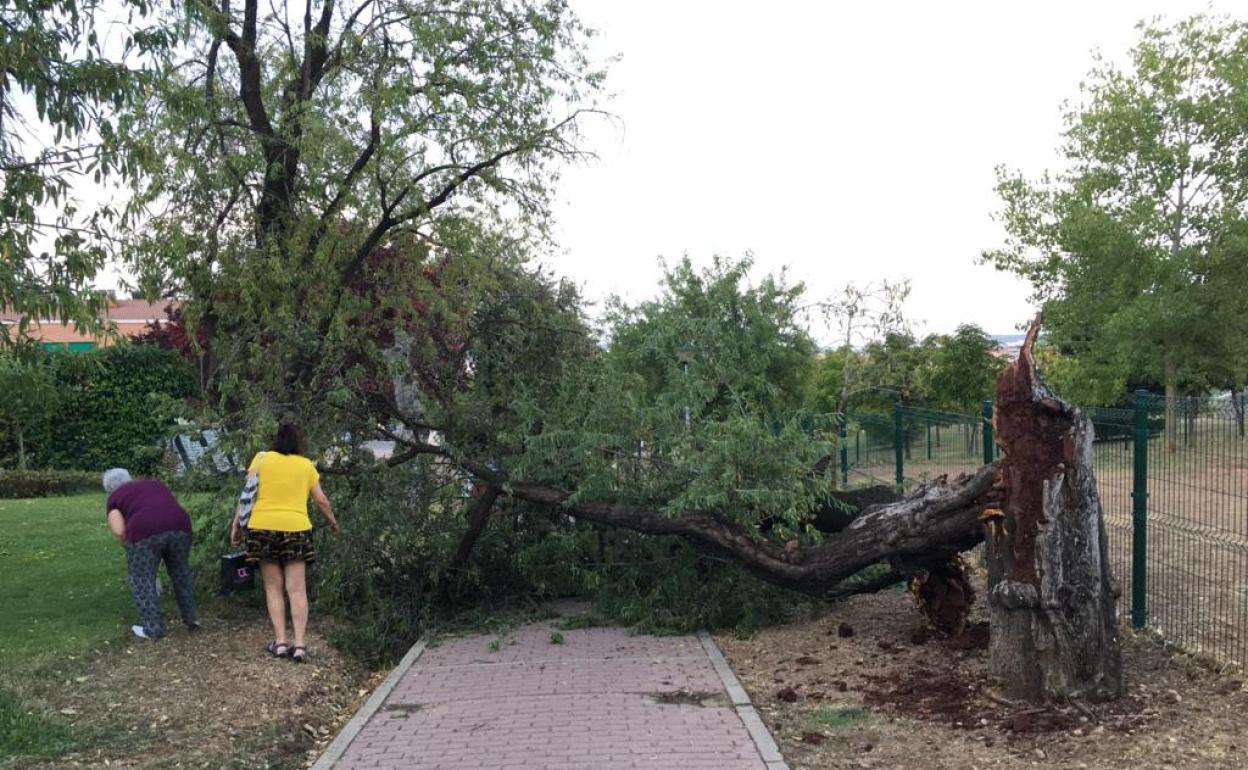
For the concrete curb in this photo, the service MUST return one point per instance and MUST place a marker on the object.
(766, 745)
(347, 734)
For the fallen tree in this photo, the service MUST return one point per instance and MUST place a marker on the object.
(1054, 627)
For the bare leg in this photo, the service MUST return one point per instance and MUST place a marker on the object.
(274, 598)
(296, 589)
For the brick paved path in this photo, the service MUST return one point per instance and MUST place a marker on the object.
(601, 700)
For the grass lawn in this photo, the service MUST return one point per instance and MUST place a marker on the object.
(63, 577)
(63, 592)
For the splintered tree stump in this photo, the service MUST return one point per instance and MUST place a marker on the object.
(1054, 625)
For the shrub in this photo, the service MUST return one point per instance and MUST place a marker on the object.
(21, 484)
(113, 408)
(664, 585)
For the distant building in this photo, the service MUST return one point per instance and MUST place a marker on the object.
(131, 317)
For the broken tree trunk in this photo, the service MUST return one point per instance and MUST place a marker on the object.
(1054, 625)
(925, 530)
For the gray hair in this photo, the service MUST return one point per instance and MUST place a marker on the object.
(115, 477)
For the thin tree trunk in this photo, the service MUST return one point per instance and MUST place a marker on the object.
(1054, 623)
(21, 450)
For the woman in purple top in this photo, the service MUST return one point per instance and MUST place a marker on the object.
(147, 520)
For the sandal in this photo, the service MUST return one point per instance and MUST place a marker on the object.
(300, 654)
(277, 649)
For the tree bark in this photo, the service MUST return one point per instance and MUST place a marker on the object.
(477, 519)
(1054, 624)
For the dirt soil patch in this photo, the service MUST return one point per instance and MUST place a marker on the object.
(212, 699)
(923, 702)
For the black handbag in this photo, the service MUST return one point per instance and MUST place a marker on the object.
(236, 574)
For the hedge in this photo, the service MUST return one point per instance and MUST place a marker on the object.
(21, 484)
(111, 410)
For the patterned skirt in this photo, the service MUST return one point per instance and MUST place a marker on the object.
(280, 547)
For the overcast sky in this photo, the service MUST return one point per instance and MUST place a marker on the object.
(850, 141)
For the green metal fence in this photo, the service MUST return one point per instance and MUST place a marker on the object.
(910, 446)
(1173, 482)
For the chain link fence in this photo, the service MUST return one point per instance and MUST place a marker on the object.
(1173, 482)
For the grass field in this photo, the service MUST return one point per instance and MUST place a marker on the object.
(62, 593)
(63, 577)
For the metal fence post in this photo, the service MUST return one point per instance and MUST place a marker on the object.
(990, 445)
(1139, 515)
(898, 441)
(843, 421)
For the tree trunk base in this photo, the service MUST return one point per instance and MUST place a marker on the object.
(1054, 620)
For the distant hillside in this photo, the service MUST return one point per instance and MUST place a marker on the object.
(1006, 340)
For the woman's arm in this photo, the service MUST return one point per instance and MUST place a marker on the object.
(322, 502)
(117, 524)
(236, 532)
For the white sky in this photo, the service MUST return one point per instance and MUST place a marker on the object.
(850, 141)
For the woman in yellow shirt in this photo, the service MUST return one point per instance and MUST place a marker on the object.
(279, 534)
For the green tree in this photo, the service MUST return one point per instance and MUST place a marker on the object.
(963, 371)
(864, 314)
(60, 90)
(716, 344)
(895, 371)
(292, 153)
(1134, 250)
(29, 403)
(828, 381)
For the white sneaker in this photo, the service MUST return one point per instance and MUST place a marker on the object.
(140, 632)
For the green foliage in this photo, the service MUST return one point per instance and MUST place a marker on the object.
(828, 718)
(23, 484)
(378, 575)
(30, 398)
(894, 369)
(827, 380)
(666, 586)
(714, 343)
(63, 88)
(954, 372)
(1081, 379)
(113, 408)
(1136, 252)
(348, 180)
(556, 637)
(963, 371)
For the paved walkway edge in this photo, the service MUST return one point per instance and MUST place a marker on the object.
(763, 741)
(370, 707)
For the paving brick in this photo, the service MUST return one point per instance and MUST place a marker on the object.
(590, 703)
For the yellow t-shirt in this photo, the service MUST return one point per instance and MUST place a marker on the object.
(282, 496)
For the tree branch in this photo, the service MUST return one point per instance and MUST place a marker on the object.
(249, 73)
(936, 522)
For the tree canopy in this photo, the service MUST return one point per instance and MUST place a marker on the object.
(61, 89)
(293, 155)
(1136, 248)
